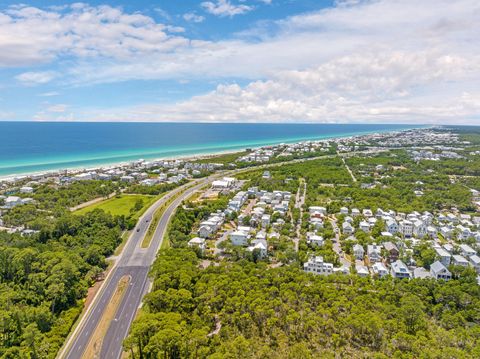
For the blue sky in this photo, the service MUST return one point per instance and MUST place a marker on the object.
(241, 61)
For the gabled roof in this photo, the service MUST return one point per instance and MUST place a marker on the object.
(389, 246)
(379, 266)
(467, 248)
(197, 240)
(438, 267)
(442, 252)
(358, 247)
(459, 258)
(475, 260)
(399, 267)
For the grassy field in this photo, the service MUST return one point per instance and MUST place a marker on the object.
(121, 205)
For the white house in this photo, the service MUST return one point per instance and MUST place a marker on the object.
(316, 265)
(12, 201)
(344, 210)
(419, 229)
(347, 228)
(315, 240)
(421, 273)
(362, 271)
(459, 260)
(475, 262)
(317, 223)
(239, 238)
(148, 182)
(358, 251)
(364, 226)
(214, 222)
(26, 189)
(464, 233)
(205, 231)
(317, 211)
(367, 212)
(432, 232)
(399, 270)
(197, 242)
(223, 184)
(391, 226)
(406, 228)
(380, 269)
(265, 220)
(128, 179)
(27, 200)
(261, 236)
(439, 271)
(446, 232)
(380, 213)
(443, 256)
(85, 176)
(236, 203)
(260, 247)
(374, 252)
(476, 235)
(467, 251)
(342, 270)
(427, 218)
(452, 218)
(448, 247)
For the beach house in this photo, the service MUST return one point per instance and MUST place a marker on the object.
(399, 270)
(439, 271)
(316, 265)
(358, 251)
(239, 238)
(197, 242)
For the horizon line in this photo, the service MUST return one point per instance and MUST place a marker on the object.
(239, 122)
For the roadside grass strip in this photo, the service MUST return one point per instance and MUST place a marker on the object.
(94, 347)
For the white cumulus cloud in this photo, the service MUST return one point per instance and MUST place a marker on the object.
(191, 16)
(225, 8)
(367, 60)
(36, 78)
(31, 36)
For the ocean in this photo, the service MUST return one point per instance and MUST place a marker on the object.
(29, 147)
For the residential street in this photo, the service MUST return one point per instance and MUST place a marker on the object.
(299, 202)
(336, 243)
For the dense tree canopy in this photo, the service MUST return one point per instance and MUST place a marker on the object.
(44, 277)
(242, 309)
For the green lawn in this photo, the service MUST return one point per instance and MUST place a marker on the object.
(120, 205)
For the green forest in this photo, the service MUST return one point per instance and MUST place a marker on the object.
(44, 279)
(246, 310)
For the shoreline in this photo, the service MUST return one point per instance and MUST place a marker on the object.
(193, 157)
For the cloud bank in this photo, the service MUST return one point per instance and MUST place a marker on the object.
(360, 61)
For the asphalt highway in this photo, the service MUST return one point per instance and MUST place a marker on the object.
(134, 262)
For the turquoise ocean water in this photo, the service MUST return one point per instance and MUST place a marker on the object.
(28, 147)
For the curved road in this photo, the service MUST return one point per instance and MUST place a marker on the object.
(135, 262)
